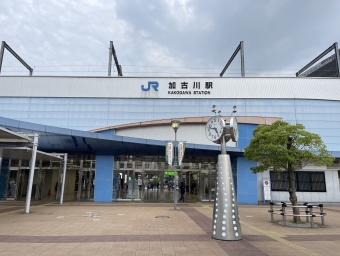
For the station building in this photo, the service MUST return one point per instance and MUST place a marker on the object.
(114, 131)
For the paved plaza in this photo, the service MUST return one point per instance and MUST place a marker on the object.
(87, 228)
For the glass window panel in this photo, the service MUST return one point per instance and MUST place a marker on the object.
(89, 101)
(46, 101)
(87, 122)
(89, 114)
(55, 107)
(324, 125)
(284, 116)
(318, 117)
(172, 115)
(326, 132)
(332, 147)
(170, 102)
(131, 101)
(177, 108)
(317, 176)
(58, 122)
(15, 100)
(271, 109)
(319, 187)
(16, 106)
(84, 128)
(267, 102)
(226, 109)
(317, 103)
(304, 186)
(131, 108)
(112, 122)
(14, 114)
(118, 115)
(220, 102)
(317, 109)
(329, 140)
(279, 181)
(46, 114)
(88, 107)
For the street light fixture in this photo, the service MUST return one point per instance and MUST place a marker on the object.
(175, 125)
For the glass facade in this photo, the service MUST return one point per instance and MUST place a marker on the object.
(150, 178)
(319, 116)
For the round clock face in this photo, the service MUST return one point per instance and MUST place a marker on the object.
(233, 129)
(214, 128)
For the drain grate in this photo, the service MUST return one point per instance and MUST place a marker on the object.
(45, 213)
(162, 217)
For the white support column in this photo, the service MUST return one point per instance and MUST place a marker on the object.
(31, 175)
(63, 182)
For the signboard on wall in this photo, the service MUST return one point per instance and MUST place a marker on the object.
(169, 87)
(267, 193)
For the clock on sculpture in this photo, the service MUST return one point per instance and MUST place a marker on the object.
(214, 128)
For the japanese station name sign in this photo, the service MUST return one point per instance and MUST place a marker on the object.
(190, 88)
(179, 87)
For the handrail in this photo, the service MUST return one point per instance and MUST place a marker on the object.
(309, 213)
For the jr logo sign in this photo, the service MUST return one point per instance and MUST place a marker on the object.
(154, 85)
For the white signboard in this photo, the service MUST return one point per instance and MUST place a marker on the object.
(267, 193)
(169, 87)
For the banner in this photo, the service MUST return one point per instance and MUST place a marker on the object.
(169, 152)
(181, 151)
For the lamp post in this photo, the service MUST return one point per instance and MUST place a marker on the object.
(175, 125)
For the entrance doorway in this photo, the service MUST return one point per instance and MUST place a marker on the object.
(127, 185)
(159, 186)
(152, 186)
(154, 181)
(84, 184)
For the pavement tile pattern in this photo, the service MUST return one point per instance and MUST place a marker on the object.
(87, 228)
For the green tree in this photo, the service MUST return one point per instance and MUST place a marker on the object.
(284, 147)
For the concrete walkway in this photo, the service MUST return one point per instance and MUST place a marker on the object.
(86, 228)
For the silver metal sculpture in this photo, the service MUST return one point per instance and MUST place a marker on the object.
(226, 219)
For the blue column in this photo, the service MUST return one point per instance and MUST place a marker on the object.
(245, 134)
(246, 182)
(103, 178)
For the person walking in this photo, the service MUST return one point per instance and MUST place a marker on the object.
(182, 190)
(56, 190)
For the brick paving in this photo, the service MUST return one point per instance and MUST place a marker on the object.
(87, 228)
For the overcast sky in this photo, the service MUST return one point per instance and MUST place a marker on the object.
(166, 37)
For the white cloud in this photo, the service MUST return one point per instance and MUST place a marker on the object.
(180, 11)
(174, 33)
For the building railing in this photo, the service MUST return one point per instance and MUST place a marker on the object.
(309, 213)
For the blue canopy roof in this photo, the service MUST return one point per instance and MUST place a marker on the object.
(54, 139)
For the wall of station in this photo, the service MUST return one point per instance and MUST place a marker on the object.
(92, 103)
